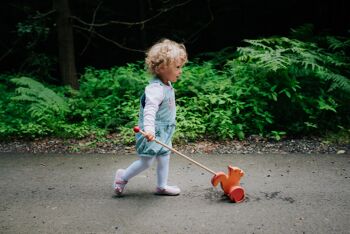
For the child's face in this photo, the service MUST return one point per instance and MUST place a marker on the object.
(171, 73)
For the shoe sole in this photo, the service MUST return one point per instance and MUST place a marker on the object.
(166, 194)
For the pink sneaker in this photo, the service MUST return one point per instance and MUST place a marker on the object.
(119, 183)
(168, 190)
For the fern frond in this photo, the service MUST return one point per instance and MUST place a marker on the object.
(339, 81)
(273, 60)
(336, 43)
(43, 102)
(303, 31)
(260, 43)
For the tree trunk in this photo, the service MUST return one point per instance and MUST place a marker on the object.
(66, 58)
(142, 30)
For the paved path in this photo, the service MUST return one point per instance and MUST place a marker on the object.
(72, 194)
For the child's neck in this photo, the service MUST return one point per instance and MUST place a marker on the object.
(166, 82)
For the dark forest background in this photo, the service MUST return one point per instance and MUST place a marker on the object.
(203, 26)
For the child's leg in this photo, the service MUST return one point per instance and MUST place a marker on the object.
(137, 167)
(122, 176)
(162, 170)
(162, 175)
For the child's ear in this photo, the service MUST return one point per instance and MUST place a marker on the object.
(159, 69)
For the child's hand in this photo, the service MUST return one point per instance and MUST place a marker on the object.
(149, 136)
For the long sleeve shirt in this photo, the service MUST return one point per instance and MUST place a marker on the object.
(154, 97)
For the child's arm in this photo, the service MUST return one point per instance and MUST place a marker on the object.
(154, 97)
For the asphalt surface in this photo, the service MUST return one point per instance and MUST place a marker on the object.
(54, 193)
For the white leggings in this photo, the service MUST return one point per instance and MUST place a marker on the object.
(145, 162)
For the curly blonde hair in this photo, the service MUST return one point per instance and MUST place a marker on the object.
(164, 53)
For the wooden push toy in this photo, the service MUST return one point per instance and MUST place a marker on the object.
(230, 182)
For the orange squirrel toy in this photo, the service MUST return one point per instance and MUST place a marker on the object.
(230, 183)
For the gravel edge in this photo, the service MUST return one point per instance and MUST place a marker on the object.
(252, 145)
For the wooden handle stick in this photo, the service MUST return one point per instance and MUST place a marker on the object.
(137, 129)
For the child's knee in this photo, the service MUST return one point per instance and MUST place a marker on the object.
(147, 162)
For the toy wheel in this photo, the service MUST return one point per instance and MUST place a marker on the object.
(236, 194)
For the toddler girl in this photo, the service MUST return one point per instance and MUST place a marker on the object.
(157, 116)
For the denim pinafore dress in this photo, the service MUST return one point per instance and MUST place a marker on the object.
(164, 124)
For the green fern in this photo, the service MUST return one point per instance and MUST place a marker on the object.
(337, 43)
(303, 31)
(281, 54)
(43, 102)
